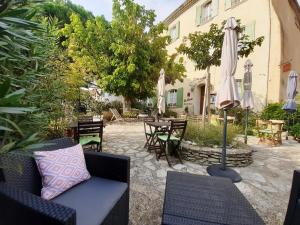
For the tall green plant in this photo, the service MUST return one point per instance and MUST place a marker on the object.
(11, 135)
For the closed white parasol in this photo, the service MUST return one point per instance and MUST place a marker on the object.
(161, 105)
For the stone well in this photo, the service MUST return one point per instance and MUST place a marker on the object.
(209, 156)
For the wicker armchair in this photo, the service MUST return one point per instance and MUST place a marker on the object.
(104, 199)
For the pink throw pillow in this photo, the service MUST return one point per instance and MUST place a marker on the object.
(61, 169)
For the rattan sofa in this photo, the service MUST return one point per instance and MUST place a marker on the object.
(103, 199)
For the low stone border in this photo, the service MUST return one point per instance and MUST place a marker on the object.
(210, 156)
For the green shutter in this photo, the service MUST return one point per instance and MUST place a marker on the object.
(215, 7)
(227, 4)
(179, 100)
(198, 14)
(178, 30)
(166, 97)
(250, 31)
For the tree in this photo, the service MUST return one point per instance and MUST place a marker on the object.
(126, 55)
(205, 49)
(62, 10)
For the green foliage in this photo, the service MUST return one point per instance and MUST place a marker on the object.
(274, 111)
(11, 111)
(130, 114)
(170, 113)
(295, 131)
(18, 44)
(62, 10)
(210, 135)
(240, 115)
(126, 55)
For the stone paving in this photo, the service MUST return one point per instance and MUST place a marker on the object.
(266, 183)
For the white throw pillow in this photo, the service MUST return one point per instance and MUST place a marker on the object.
(61, 169)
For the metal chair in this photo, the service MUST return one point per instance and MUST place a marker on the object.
(90, 133)
(293, 212)
(174, 137)
(148, 132)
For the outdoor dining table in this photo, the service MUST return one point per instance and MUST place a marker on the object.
(158, 126)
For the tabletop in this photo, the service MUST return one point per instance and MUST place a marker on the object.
(159, 124)
(205, 200)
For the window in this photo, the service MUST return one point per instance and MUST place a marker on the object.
(235, 2)
(232, 3)
(172, 98)
(239, 83)
(249, 31)
(206, 11)
(174, 32)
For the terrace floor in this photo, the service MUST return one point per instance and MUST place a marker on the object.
(266, 183)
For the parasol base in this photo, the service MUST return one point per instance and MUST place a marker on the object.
(218, 171)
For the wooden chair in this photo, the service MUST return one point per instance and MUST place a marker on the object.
(116, 114)
(174, 137)
(293, 212)
(90, 133)
(148, 132)
(85, 118)
(270, 130)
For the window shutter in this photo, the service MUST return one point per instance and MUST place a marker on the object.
(215, 7)
(250, 31)
(198, 14)
(178, 30)
(228, 4)
(179, 100)
(166, 97)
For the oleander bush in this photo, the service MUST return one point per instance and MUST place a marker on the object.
(210, 135)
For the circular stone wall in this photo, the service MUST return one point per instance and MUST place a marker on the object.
(210, 156)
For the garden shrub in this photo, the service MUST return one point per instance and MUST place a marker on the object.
(210, 135)
(295, 131)
(131, 114)
(170, 113)
(273, 111)
(240, 116)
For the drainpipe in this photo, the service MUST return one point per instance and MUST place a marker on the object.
(269, 55)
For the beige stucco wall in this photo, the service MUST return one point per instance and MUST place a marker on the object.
(267, 79)
(290, 41)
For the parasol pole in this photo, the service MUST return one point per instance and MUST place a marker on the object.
(246, 126)
(224, 141)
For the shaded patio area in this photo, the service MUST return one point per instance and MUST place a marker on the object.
(266, 183)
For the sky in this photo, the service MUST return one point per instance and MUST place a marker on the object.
(104, 7)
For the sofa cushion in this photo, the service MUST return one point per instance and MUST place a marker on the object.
(92, 199)
(61, 169)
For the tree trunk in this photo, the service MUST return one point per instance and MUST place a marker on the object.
(207, 98)
(208, 94)
(127, 103)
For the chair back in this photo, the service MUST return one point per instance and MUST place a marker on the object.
(293, 212)
(88, 128)
(177, 128)
(85, 118)
(261, 124)
(146, 120)
(115, 113)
